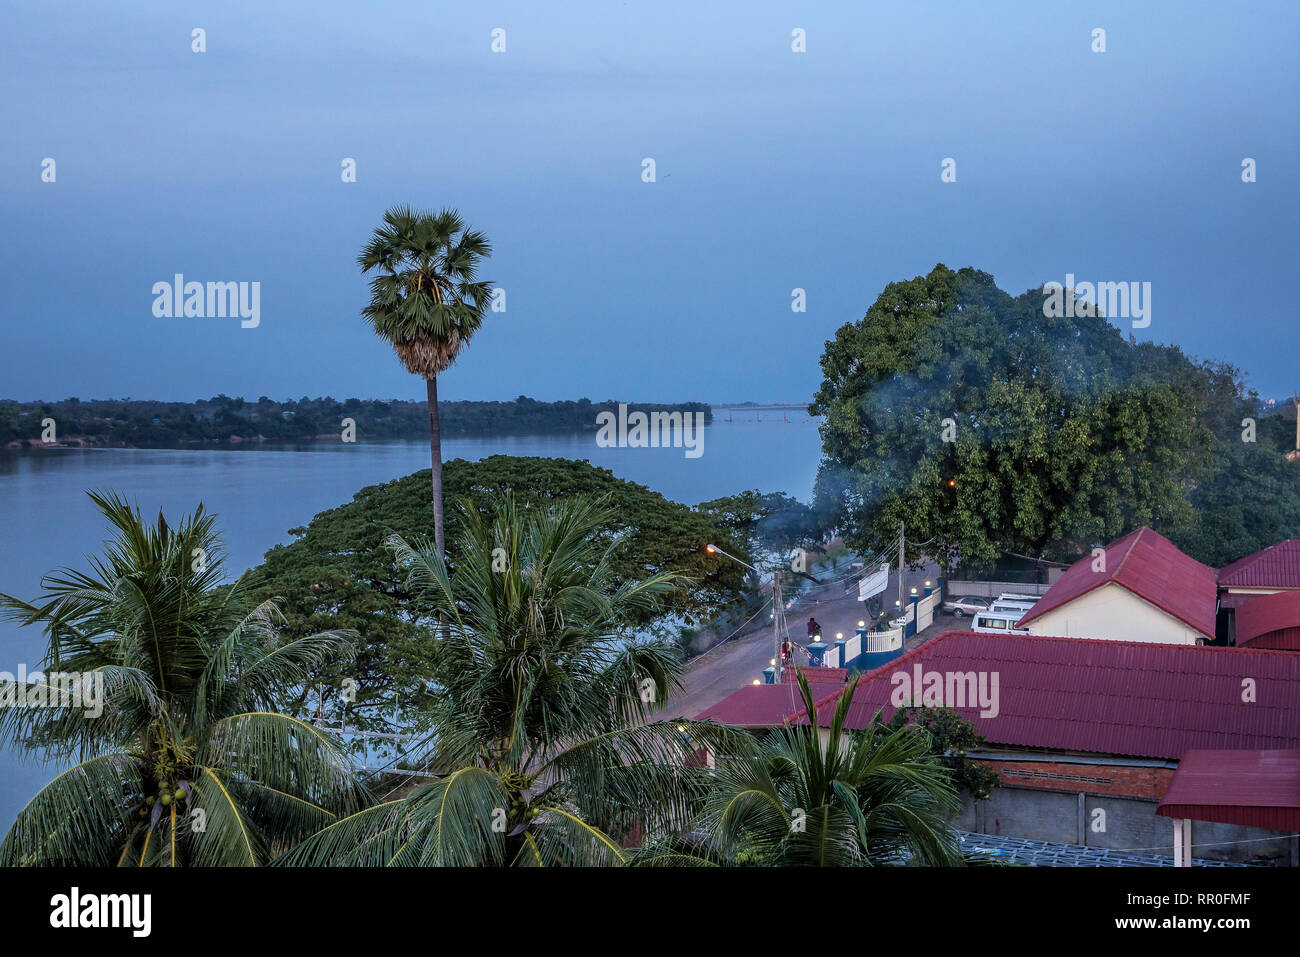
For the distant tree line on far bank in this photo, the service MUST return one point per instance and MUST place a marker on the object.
(149, 424)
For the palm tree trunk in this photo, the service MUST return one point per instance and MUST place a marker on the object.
(435, 459)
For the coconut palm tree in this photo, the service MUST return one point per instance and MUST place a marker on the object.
(426, 303)
(542, 743)
(180, 756)
(796, 798)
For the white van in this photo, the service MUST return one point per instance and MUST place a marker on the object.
(997, 623)
(1006, 606)
(1009, 602)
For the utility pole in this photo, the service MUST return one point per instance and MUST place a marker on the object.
(777, 617)
(902, 609)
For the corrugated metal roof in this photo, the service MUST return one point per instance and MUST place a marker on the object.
(825, 675)
(1248, 787)
(756, 706)
(1151, 567)
(767, 706)
(1277, 566)
(1263, 614)
(1140, 699)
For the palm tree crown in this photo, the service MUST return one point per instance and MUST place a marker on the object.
(188, 760)
(425, 300)
(426, 303)
(543, 744)
(801, 798)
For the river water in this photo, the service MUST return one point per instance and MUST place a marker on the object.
(259, 493)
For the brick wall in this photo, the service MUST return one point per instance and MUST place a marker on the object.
(1136, 782)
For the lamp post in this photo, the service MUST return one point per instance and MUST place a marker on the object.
(776, 606)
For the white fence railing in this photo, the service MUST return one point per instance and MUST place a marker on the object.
(925, 611)
(878, 641)
(856, 646)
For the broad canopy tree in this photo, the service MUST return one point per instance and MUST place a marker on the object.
(989, 427)
(767, 526)
(339, 574)
(545, 751)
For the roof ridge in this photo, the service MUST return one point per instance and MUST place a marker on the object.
(1254, 558)
(1070, 638)
(1137, 537)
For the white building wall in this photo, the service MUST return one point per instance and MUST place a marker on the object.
(1116, 613)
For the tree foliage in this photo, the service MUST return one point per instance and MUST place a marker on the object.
(989, 427)
(152, 424)
(809, 797)
(339, 574)
(541, 740)
(188, 760)
(768, 526)
(949, 736)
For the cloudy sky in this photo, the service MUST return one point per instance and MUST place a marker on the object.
(775, 170)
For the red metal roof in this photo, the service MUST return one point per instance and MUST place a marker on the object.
(759, 706)
(825, 675)
(1139, 699)
(1277, 566)
(766, 706)
(1252, 788)
(1269, 621)
(1151, 567)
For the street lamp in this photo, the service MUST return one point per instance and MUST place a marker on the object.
(714, 549)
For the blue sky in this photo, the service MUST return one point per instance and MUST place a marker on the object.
(776, 170)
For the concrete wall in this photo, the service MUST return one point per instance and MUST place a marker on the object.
(1114, 612)
(1130, 824)
(993, 589)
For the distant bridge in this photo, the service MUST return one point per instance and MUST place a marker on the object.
(758, 408)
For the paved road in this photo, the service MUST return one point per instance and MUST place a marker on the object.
(717, 673)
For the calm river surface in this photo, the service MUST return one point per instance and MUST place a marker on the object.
(259, 493)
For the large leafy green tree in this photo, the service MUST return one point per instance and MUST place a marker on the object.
(1250, 500)
(426, 302)
(542, 741)
(769, 526)
(989, 427)
(796, 798)
(184, 759)
(339, 574)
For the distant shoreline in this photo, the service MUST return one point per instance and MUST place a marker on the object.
(278, 442)
(224, 420)
(88, 442)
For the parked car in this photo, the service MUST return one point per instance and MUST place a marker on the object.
(961, 605)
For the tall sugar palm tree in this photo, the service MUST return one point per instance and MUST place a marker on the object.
(181, 758)
(544, 749)
(798, 799)
(426, 303)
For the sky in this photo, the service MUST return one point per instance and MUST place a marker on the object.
(775, 170)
